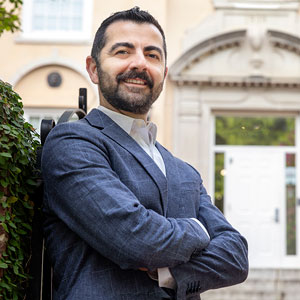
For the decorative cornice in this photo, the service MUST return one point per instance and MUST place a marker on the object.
(284, 41)
(238, 82)
(278, 39)
(207, 47)
(288, 5)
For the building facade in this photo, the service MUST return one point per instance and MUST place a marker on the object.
(230, 107)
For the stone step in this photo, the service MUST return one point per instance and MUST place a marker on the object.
(271, 284)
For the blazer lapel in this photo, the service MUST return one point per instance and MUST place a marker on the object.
(98, 119)
(172, 172)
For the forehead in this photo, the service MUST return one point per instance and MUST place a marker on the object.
(137, 33)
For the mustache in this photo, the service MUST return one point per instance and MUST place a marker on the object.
(132, 74)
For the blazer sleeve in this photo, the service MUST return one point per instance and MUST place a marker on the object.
(223, 262)
(83, 191)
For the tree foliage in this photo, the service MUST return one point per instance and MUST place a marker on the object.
(263, 131)
(18, 144)
(9, 15)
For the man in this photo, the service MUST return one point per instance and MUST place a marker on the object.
(126, 219)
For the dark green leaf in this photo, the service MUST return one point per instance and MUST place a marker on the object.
(3, 265)
(4, 226)
(5, 154)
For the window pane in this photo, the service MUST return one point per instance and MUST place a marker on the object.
(64, 23)
(57, 15)
(52, 8)
(77, 7)
(52, 23)
(77, 24)
(265, 131)
(290, 204)
(65, 6)
(38, 23)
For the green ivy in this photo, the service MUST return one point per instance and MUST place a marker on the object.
(18, 144)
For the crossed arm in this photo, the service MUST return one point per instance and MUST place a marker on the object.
(223, 262)
(119, 227)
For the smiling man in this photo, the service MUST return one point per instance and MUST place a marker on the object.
(124, 218)
(131, 67)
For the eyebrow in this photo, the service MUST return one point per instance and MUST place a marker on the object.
(121, 44)
(151, 48)
(131, 46)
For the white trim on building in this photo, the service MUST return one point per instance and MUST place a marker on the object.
(70, 24)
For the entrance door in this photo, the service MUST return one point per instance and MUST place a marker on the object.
(254, 201)
(256, 167)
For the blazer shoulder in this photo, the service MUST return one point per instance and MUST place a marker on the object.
(75, 128)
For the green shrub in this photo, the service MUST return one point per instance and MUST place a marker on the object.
(18, 144)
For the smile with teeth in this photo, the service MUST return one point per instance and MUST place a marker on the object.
(136, 81)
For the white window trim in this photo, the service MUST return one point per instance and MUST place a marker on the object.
(42, 113)
(61, 36)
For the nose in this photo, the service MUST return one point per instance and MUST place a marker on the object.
(139, 61)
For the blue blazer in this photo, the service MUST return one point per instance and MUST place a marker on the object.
(110, 211)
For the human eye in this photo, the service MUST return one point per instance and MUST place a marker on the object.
(121, 52)
(154, 56)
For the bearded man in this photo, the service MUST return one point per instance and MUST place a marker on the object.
(125, 220)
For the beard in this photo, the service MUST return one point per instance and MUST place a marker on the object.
(131, 99)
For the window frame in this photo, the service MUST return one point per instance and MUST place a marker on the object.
(55, 36)
(43, 113)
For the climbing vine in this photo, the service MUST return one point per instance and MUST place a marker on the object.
(18, 144)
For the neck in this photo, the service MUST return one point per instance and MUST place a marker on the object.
(123, 112)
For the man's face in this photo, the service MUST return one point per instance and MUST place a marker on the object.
(132, 67)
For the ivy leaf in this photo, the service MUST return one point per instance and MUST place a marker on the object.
(11, 224)
(27, 226)
(5, 154)
(4, 204)
(12, 199)
(4, 182)
(3, 265)
(5, 127)
(21, 231)
(26, 205)
(11, 248)
(5, 285)
(16, 270)
(31, 182)
(4, 138)
(14, 243)
(4, 227)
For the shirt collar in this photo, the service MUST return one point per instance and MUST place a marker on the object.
(132, 126)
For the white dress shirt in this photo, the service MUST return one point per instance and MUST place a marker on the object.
(145, 135)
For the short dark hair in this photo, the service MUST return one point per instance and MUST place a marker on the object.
(135, 15)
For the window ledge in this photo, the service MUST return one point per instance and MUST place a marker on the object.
(23, 39)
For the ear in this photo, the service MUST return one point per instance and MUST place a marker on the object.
(166, 72)
(92, 69)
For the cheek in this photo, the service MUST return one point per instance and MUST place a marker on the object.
(158, 75)
(115, 67)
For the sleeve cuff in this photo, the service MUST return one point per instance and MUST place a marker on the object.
(202, 226)
(165, 278)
